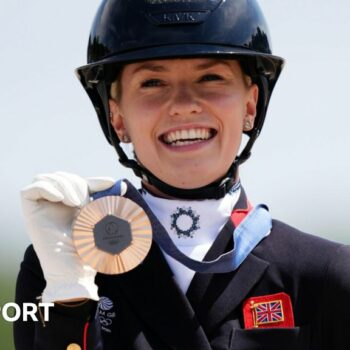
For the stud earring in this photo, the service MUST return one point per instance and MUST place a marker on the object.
(125, 139)
(247, 125)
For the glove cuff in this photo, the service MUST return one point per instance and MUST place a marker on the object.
(59, 292)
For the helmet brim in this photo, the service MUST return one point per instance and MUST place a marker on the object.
(272, 64)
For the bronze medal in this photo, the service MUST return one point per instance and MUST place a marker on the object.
(112, 234)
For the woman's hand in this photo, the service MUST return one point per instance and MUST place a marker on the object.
(50, 204)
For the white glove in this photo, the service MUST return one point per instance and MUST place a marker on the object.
(50, 204)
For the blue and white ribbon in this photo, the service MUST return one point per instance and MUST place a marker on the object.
(254, 228)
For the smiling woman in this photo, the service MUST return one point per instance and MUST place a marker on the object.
(188, 124)
(210, 38)
(181, 81)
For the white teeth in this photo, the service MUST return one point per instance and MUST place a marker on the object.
(171, 137)
(187, 135)
(184, 143)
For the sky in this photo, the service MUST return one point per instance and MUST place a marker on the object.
(299, 167)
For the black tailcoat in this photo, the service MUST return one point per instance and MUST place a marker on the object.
(146, 310)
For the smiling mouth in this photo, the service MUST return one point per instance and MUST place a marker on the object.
(187, 137)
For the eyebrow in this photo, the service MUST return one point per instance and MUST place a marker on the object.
(213, 63)
(162, 68)
(151, 67)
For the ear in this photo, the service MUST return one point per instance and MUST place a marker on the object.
(117, 119)
(251, 106)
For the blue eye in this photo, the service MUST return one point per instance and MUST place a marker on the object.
(151, 83)
(211, 77)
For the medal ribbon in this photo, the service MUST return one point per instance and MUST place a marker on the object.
(246, 236)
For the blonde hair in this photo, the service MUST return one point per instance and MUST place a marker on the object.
(116, 90)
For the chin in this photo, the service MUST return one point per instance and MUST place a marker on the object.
(192, 182)
(186, 176)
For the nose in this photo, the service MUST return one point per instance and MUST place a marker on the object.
(184, 102)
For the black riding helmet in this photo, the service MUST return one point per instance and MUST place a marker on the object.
(126, 31)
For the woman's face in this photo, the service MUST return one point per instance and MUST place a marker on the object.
(184, 117)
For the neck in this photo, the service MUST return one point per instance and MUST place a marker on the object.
(158, 193)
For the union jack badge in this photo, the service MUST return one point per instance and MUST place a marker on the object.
(268, 311)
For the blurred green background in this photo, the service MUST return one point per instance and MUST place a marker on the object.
(7, 291)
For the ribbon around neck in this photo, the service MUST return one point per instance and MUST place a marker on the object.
(246, 236)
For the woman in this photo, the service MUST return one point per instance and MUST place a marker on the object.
(182, 81)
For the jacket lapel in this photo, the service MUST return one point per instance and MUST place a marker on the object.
(155, 296)
(214, 297)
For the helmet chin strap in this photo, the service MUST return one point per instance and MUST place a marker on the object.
(214, 190)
